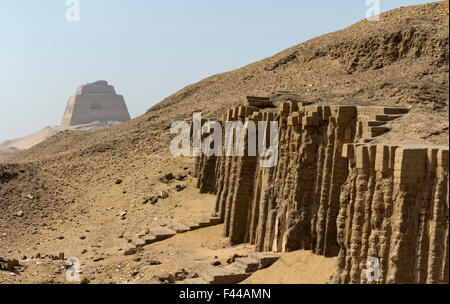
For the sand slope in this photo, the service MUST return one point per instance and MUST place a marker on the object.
(298, 267)
(26, 142)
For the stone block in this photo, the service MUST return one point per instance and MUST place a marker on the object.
(192, 225)
(215, 221)
(362, 157)
(375, 123)
(293, 121)
(395, 110)
(248, 265)
(179, 228)
(442, 158)
(162, 233)
(325, 113)
(225, 275)
(311, 120)
(348, 151)
(383, 161)
(138, 242)
(286, 107)
(149, 239)
(265, 259)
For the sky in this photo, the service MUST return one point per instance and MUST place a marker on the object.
(147, 49)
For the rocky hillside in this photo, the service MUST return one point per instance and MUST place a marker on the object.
(400, 60)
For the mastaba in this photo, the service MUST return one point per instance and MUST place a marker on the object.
(95, 101)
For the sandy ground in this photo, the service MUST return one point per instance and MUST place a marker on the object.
(298, 267)
(192, 251)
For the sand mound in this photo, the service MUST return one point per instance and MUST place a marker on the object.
(298, 267)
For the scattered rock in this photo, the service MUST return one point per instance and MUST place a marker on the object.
(181, 177)
(98, 259)
(53, 257)
(154, 262)
(134, 273)
(153, 200)
(19, 214)
(60, 237)
(181, 275)
(118, 181)
(68, 264)
(167, 178)
(234, 257)
(180, 187)
(8, 265)
(166, 277)
(130, 251)
(82, 237)
(163, 194)
(216, 263)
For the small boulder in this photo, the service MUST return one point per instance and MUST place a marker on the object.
(180, 187)
(166, 277)
(167, 178)
(181, 177)
(181, 275)
(163, 194)
(233, 258)
(130, 251)
(153, 200)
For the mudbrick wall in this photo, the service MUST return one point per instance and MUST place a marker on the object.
(394, 206)
(334, 193)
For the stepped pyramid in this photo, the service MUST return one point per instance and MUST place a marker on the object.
(95, 101)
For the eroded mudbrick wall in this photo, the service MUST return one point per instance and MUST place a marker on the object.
(394, 206)
(335, 194)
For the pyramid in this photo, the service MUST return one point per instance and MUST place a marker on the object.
(95, 101)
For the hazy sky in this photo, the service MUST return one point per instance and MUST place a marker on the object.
(147, 49)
